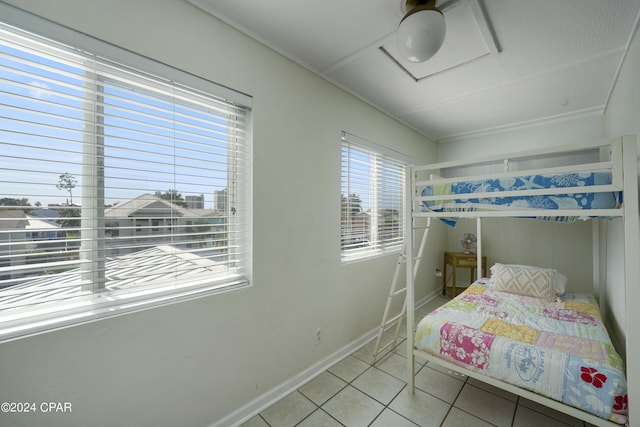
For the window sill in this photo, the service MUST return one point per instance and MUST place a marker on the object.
(364, 256)
(35, 321)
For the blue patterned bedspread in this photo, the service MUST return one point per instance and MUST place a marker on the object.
(600, 200)
(558, 349)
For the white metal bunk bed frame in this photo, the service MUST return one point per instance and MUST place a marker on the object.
(622, 164)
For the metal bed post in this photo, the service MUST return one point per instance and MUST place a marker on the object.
(478, 247)
(410, 296)
(631, 274)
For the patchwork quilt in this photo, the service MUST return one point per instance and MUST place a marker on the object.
(558, 349)
(599, 200)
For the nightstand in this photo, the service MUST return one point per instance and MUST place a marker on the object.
(460, 260)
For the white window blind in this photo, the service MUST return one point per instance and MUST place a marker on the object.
(119, 189)
(372, 194)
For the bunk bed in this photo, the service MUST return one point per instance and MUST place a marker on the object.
(602, 188)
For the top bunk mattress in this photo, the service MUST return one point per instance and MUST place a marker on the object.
(463, 193)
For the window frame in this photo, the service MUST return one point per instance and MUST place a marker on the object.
(33, 318)
(380, 155)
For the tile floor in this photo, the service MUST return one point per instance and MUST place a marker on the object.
(354, 392)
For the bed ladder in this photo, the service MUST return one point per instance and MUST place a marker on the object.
(394, 292)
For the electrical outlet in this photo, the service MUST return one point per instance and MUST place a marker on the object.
(318, 336)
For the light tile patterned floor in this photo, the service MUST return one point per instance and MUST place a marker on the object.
(354, 392)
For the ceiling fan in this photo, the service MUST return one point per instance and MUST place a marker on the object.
(421, 32)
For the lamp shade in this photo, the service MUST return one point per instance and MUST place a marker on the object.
(421, 34)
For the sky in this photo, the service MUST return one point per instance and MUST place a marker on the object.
(152, 139)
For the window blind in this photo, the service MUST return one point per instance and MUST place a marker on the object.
(121, 189)
(372, 195)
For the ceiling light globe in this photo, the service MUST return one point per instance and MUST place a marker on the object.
(421, 34)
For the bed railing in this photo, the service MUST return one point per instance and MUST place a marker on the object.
(610, 149)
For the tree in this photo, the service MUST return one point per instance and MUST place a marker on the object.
(12, 202)
(67, 182)
(173, 196)
(354, 227)
(69, 218)
(351, 205)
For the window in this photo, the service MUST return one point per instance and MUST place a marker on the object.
(104, 157)
(372, 195)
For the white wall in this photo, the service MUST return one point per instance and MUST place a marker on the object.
(194, 363)
(538, 135)
(565, 247)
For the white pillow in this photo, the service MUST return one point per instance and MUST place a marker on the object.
(559, 282)
(525, 280)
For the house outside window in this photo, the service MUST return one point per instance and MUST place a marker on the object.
(372, 199)
(94, 140)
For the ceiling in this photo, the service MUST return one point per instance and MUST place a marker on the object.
(503, 63)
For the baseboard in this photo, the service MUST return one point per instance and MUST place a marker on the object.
(259, 404)
(267, 399)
